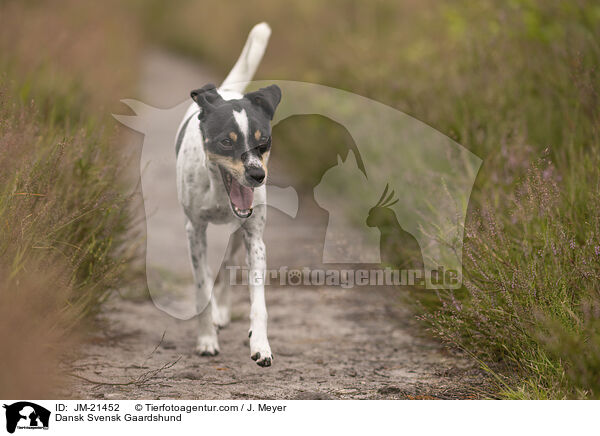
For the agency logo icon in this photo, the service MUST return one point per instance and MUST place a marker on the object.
(26, 415)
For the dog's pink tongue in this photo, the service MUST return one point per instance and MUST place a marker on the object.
(241, 196)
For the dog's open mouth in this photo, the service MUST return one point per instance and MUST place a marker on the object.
(240, 196)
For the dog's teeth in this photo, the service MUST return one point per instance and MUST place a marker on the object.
(243, 213)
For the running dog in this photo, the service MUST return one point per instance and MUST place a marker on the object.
(222, 147)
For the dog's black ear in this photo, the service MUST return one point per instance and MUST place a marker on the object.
(266, 98)
(206, 97)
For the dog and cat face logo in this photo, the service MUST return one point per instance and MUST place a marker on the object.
(395, 194)
(26, 415)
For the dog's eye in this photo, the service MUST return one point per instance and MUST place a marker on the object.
(226, 143)
(264, 144)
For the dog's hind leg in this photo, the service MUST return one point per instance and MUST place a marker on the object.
(221, 304)
(208, 343)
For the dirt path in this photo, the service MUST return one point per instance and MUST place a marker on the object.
(327, 342)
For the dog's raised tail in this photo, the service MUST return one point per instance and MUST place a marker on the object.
(245, 67)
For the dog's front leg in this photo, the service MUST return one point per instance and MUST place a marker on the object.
(208, 343)
(256, 258)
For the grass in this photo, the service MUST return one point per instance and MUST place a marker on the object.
(63, 200)
(532, 291)
(515, 82)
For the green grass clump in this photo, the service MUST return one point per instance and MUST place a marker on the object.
(533, 291)
(64, 216)
(61, 202)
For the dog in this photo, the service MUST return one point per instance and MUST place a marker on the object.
(223, 146)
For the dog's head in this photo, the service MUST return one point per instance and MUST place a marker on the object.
(237, 137)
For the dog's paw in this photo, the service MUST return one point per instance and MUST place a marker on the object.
(261, 352)
(262, 360)
(207, 345)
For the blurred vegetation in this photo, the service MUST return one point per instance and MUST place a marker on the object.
(517, 83)
(63, 214)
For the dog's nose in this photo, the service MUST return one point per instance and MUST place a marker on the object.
(256, 174)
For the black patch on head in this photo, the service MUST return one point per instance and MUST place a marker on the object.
(207, 98)
(217, 120)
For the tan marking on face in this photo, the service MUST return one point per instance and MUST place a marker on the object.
(233, 136)
(265, 159)
(235, 167)
(257, 135)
